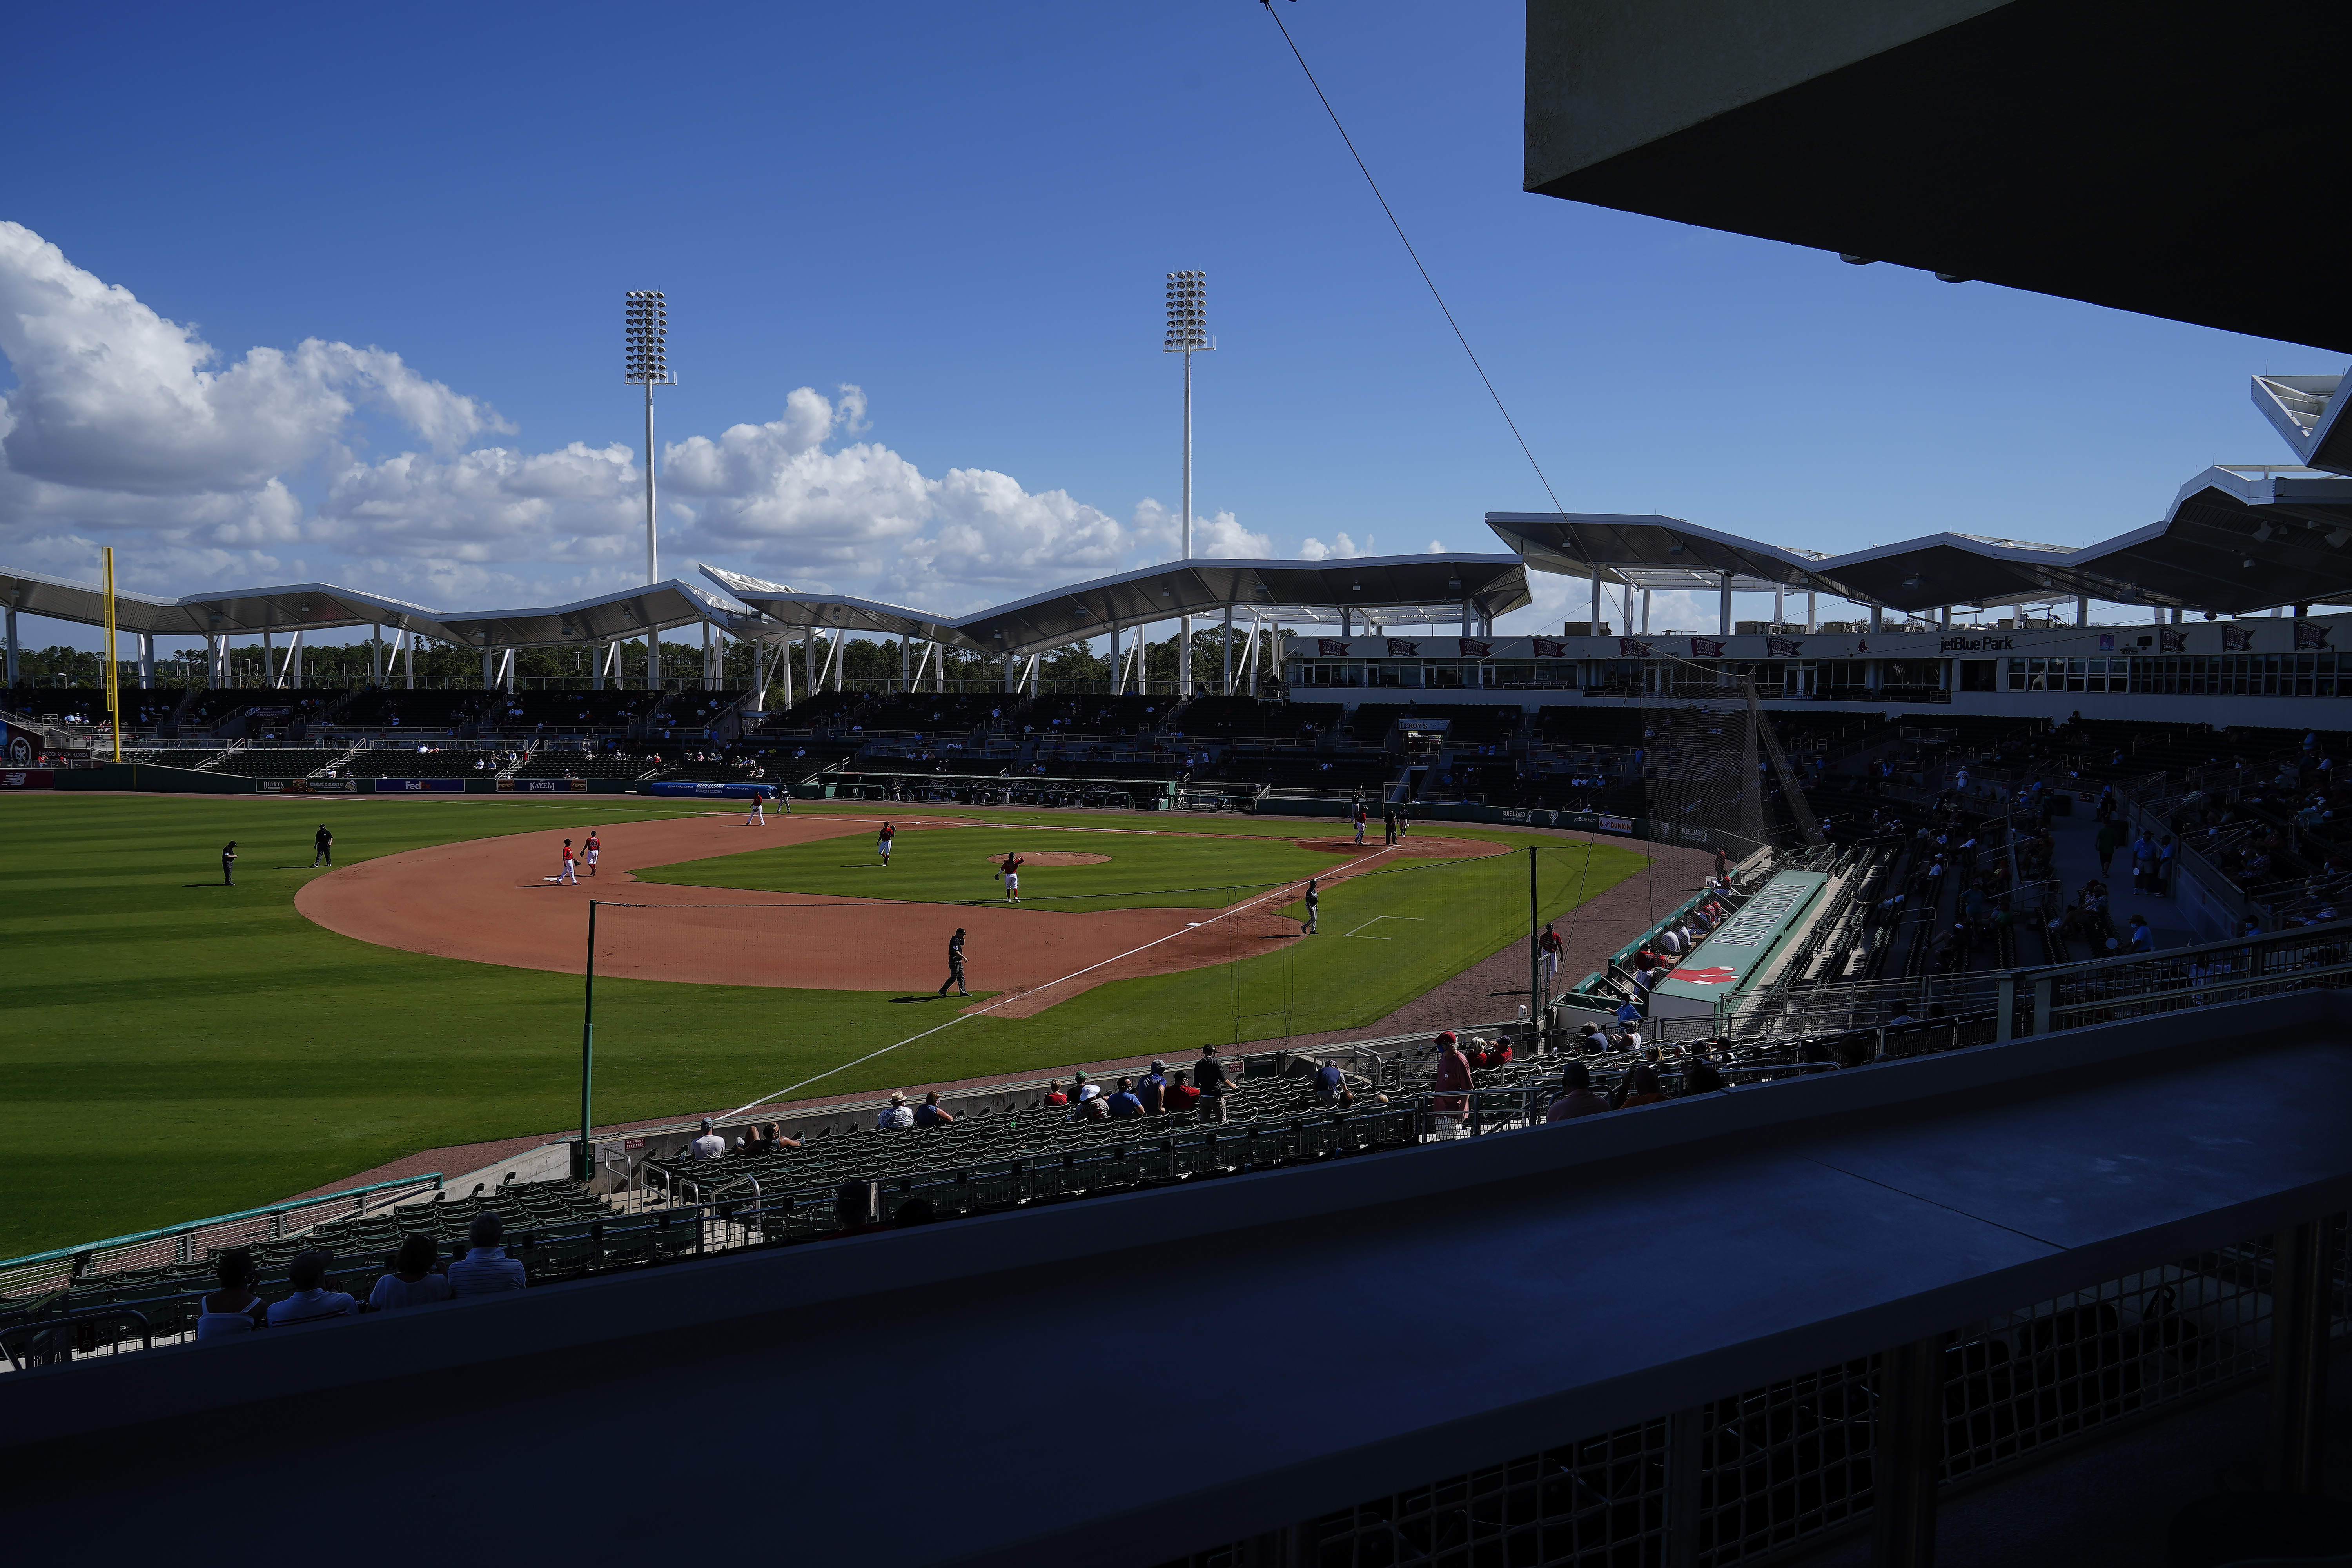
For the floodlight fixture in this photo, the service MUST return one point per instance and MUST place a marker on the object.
(1188, 334)
(644, 361)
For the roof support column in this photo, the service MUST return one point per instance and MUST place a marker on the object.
(1946, 622)
(489, 670)
(1009, 687)
(840, 655)
(1229, 650)
(2082, 610)
(1646, 612)
(269, 661)
(707, 685)
(1723, 609)
(1594, 627)
(1812, 613)
(939, 667)
(146, 661)
(12, 642)
(1117, 675)
(2175, 614)
(1878, 617)
(375, 654)
(905, 663)
(784, 669)
(597, 667)
(408, 659)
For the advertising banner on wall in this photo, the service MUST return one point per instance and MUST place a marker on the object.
(419, 786)
(542, 786)
(739, 789)
(28, 778)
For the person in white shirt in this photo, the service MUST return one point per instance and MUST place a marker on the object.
(1670, 940)
(709, 1146)
(232, 1308)
(486, 1270)
(413, 1281)
(895, 1116)
(311, 1301)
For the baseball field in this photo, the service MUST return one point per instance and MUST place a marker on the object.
(174, 1048)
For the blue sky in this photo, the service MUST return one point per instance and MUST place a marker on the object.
(964, 214)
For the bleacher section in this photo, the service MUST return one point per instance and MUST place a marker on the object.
(442, 762)
(172, 756)
(278, 762)
(560, 761)
(395, 709)
(1218, 718)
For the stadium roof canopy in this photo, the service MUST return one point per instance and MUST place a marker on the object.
(1388, 590)
(2236, 539)
(321, 606)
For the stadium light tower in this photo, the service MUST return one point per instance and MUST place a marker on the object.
(644, 329)
(1188, 334)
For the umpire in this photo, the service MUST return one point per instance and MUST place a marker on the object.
(955, 965)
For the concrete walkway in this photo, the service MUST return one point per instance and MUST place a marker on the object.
(2076, 861)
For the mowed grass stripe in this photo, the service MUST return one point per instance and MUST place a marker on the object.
(172, 1051)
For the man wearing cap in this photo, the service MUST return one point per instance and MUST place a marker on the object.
(1153, 1090)
(707, 1146)
(1082, 1090)
(1576, 1095)
(894, 1116)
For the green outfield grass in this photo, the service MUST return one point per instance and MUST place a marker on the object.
(173, 1048)
(1183, 869)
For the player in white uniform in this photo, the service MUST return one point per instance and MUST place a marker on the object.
(1011, 872)
(882, 841)
(594, 847)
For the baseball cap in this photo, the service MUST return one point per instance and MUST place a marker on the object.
(1447, 1038)
(1159, 1066)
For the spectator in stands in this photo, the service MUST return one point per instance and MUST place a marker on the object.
(1053, 1095)
(930, 1114)
(412, 1281)
(1181, 1097)
(311, 1301)
(2143, 940)
(1576, 1097)
(1153, 1089)
(1094, 1109)
(708, 1145)
(234, 1309)
(1124, 1101)
(1629, 1012)
(1701, 1077)
(895, 1116)
(1081, 1090)
(776, 1142)
(1640, 1087)
(1209, 1078)
(1453, 1073)
(486, 1270)
(1331, 1085)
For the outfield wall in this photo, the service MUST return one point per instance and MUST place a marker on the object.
(152, 778)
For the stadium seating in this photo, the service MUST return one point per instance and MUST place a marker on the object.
(397, 762)
(278, 762)
(172, 756)
(570, 761)
(396, 709)
(1248, 717)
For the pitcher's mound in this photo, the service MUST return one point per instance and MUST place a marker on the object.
(1053, 857)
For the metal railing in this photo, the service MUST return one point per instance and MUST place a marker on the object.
(1777, 1471)
(186, 1242)
(2038, 1001)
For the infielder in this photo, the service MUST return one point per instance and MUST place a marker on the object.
(882, 841)
(228, 864)
(570, 860)
(593, 846)
(759, 815)
(955, 965)
(1314, 900)
(1011, 872)
(323, 842)
(1360, 823)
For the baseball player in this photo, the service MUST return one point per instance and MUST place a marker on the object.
(228, 864)
(323, 843)
(1360, 823)
(1550, 943)
(1011, 872)
(570, 860)
(759, 815)
(882, 841)
(592, 848)
(1314, 902)
(955, 965)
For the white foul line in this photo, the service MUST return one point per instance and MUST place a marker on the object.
(1012, 995)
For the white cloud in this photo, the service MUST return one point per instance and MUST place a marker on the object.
(1341, 547)
(238, 473)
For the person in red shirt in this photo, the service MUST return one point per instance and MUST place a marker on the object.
(570, 863)
(1453, 1073)
(1180, 1096)
(1576, 1095)
(1053, 1095)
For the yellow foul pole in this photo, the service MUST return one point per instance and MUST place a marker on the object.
(114, 695)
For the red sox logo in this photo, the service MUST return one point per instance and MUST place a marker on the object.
(1715, 976)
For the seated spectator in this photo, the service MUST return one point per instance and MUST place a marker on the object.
(1094, 1109)
(1080, 1089)
(1576, 1097)
(234, 1309)
(894, 1116)
(776, 1141)
(1641, 1087)
(1153, 1089)
(486, 1270)
(1053, 1095)
(1181, 1096)
(1701, 1077)
(311, 1301)
(1124, 1101)
(412, 1281)
(708, 1145)
(930, 1114)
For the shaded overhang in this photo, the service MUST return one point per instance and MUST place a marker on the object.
(2306, 410)
(1387, 588)
(2068, 147)
(1648, 551)
(623, 614)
